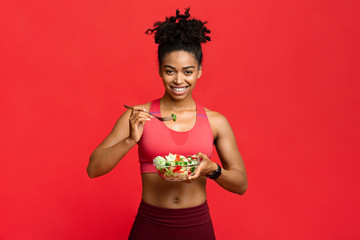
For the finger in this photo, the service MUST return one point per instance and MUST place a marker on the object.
(202, 156)
(139, 109)
(197, 172)
(144, 114)
(195, 176)
(136, 113)
(140, 115)
(198, 155)
(135, 124)
(140, 120)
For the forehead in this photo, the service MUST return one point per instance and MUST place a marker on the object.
(179, 59)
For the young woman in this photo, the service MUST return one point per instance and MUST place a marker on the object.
(175, 210)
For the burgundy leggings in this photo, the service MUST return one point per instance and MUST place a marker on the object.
(163, 223)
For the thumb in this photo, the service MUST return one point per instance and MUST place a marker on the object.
(201, 156)
(197, 172)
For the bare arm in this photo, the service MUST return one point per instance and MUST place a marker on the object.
(233, 177)
(125, 134)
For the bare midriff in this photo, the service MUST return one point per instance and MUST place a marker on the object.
(166, 194)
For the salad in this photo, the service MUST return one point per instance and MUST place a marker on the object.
(175, 167)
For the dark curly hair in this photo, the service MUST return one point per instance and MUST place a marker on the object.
(180, 33)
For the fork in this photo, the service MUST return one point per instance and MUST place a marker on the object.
(163, 119)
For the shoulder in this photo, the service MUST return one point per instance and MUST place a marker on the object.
(215, 117)
(218, 122)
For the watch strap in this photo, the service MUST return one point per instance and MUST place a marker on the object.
(215, 174)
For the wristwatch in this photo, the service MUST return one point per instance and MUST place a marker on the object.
(215, 174)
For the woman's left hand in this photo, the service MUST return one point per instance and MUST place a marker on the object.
(206, 167)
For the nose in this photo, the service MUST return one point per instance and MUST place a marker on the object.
(178, 79)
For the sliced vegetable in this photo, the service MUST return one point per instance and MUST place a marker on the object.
(175, 167)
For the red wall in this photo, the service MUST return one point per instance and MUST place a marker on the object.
(285, 74)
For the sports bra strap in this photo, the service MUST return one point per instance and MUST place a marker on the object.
(200, 110)
(155, 106)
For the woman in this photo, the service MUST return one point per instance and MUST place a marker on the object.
(175, 210)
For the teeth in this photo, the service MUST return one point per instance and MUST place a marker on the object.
(179, 89)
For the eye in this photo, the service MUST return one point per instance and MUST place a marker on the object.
(169, 72)
(188, 72)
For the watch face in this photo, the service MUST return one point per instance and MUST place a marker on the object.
(215, 174)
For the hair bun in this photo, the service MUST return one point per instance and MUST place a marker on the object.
(180, 28)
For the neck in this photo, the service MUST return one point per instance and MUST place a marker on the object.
(168, 102)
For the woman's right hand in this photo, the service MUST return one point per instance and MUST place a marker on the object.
(125, 134)
(137, 119)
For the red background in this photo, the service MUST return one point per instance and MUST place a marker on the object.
(284, 73)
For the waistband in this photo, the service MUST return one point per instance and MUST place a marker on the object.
(178, 217)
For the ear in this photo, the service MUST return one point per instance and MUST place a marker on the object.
(199, 71)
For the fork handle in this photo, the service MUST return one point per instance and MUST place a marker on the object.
(128, 107)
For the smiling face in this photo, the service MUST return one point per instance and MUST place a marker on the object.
(179, 71)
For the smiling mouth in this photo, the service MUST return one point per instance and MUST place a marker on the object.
(179, 89)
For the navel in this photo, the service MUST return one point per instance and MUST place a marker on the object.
(176, 200)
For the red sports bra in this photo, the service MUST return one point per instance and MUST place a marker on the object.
(159, 140)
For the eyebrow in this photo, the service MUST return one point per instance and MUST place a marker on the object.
(182, 68)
